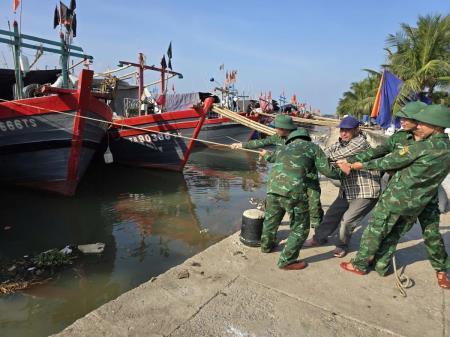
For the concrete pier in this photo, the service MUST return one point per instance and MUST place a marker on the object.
(233, 290)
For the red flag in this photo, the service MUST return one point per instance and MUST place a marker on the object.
(15, 4)
(161, 100)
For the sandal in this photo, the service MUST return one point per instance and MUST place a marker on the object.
(348, 266)
(443, 280)
(339, 252)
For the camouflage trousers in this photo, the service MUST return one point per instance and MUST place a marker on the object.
(276, 207)
(429, 220)
(380, 239)
(315, 207)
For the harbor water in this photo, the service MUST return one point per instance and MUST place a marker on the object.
(150, 221)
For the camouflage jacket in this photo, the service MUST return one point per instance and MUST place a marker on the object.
(269, 140)
(395, 142)
(292, 163)
(312, 176)
(421, 167)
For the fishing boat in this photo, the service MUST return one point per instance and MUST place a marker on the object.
(158, 140)
(47, 142)
(161, 132)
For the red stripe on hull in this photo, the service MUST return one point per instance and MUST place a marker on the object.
(83, 95)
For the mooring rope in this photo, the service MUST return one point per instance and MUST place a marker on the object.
(128, 126)
(402, 281)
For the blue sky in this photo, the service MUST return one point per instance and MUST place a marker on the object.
(312, 48)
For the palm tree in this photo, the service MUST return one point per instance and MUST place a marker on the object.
(420, 56)
(359, 100)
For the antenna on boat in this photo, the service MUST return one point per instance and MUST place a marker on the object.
(142, 66)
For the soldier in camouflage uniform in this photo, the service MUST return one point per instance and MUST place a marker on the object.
(286, 191)
(420, 168)
(430, 217)
(398, 140)
(284, 126)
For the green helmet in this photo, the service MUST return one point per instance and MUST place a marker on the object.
(299, 133)
(436, 114)
(410, 109)
(284, 122)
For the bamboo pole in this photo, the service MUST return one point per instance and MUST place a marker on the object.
(307, 120)
(244, 120)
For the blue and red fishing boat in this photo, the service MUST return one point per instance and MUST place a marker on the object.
(48, 141)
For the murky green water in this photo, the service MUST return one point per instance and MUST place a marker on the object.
(150, 221)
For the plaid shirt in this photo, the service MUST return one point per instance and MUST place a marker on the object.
(359, 184)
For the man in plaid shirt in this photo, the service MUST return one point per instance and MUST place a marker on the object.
(358, 194)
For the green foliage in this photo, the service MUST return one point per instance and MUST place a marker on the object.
(52, 258)
(420, 56)
(359, 100)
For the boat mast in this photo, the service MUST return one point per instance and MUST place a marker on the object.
(64, 59)
(17, 71)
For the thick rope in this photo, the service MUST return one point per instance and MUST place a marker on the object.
(129, 126)
(402, 281)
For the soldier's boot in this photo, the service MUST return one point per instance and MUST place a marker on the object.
(443, 280)
(297, 265)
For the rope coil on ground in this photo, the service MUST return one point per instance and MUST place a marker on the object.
(402, 281)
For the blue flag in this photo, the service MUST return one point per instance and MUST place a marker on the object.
(389, 90)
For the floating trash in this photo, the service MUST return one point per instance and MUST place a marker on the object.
(93, 248)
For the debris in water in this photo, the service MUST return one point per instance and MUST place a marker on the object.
(93, 248)
(183, 274)
(204, 230)
(66, 250)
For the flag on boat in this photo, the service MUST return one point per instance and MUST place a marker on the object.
(294, 99)
(74, 25)
(15, 4)
(56, 19)
(388, 90)
(65, 15)
(163, 62)
(169, 51)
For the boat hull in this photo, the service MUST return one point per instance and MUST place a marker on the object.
(47, 144)
(131, 144)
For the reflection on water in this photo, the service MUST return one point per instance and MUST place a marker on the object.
(150, 221)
